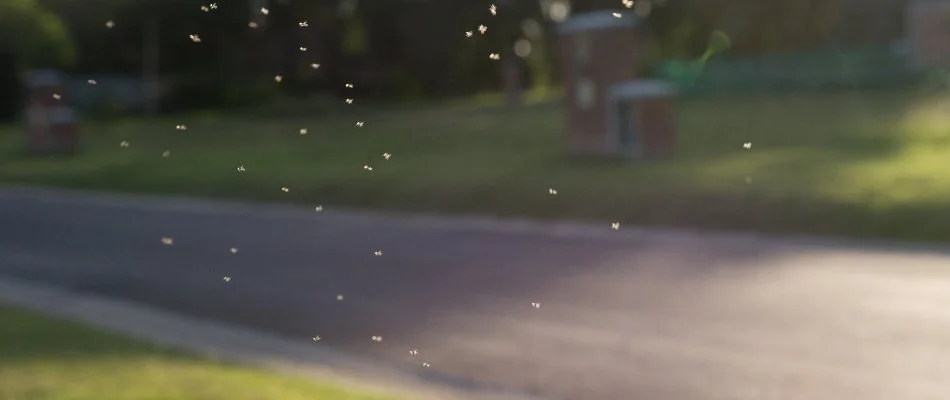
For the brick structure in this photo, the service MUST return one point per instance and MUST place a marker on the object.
(50, 123)
(641, 119)
(928, 31)
(608, 110)
(597, 50)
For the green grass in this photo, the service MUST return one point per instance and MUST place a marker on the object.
(859, 164)
(46, 359)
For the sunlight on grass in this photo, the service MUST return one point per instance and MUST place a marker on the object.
(915, 171)
(926, 123)
(143, 377)
(53, 360)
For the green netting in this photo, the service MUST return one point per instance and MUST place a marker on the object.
(878, 66)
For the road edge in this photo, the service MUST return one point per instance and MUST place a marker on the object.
(563, 229)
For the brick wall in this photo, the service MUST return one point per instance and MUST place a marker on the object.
(656, 126)
(928, 29)
(614, 57)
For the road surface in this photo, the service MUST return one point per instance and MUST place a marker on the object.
(563, 316)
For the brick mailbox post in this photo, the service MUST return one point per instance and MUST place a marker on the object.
(928, 28)
(50, 122)
(640, 119)
(608, 111)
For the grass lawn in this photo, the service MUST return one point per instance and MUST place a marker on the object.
(48, 359)
(856, 163)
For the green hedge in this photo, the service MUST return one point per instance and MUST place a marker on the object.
(866, 67)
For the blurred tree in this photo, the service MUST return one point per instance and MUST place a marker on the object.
(30, 37)
(763, 26)
(410, 47)
(34, 36)
(10, 90)
(86, 23)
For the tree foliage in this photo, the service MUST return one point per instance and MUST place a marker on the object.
(34, 36)
(404, 47)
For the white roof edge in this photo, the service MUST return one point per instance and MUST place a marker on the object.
(598, 20)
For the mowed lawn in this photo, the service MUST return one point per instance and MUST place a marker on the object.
(853, 163)
(49, 359)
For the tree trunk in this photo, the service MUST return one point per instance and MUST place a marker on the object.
(511, 76)
(510, 68)
(150, 62)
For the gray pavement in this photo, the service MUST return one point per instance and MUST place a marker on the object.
(623, 314)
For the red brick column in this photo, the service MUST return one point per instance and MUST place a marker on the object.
(50, 122)
(597, 51)
(928, 30)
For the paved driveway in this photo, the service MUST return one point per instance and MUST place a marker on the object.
(615, 316)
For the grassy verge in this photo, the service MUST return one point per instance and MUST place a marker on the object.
(49, 359)
(860, 164)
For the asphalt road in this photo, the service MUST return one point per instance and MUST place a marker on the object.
(619, 317)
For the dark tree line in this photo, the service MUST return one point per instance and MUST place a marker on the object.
(394, 48)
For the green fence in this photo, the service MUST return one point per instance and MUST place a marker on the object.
(867, 67)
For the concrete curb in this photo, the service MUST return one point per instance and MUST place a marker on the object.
(331, 213)
(342, 215)
(231, 343)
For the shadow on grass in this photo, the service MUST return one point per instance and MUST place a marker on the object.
(26, 336)
(42, 357)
